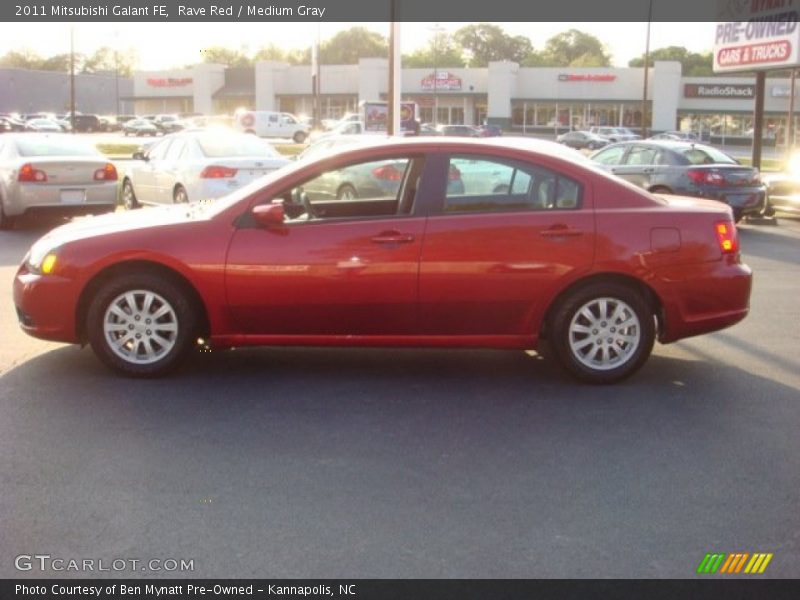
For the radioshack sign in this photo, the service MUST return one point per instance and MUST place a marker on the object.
(756, 35)
(724, 90)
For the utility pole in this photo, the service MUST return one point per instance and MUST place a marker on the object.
(646, 67)
(72, 78)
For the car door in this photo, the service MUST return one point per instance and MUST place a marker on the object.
(494, 254)
(144, 175)
(168, 174)
(352, 274)
(610, 158)
(639, 165)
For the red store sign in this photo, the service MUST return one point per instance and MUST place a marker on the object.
(445, 81)
(605, 77)
(169, 81)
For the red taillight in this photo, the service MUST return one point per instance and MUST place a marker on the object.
(107, 173)
(706, 177)
(387, 172)
(29, 173)
(217, 172)
(726, 236)
(454, 174)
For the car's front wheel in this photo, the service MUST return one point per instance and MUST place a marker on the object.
(603, 332)
(299, 137)
(141, 324)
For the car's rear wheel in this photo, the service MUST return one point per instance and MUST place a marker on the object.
(768, 210)
(179, 196)
(603, 332)
(660, 189)
(141, 325)
(299, 137)
(346, 192)
(129, 200)
(6, 222)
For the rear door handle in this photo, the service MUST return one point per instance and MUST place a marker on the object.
(393, 237)
(560, 231)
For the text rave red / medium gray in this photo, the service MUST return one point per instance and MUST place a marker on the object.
(532, 243)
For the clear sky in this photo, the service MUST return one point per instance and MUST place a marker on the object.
(164, 45)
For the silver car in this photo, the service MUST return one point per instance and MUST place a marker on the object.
(200, 165)
(55, 173)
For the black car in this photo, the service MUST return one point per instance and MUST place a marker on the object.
(459, 130)
(686, 169)
(582, 139)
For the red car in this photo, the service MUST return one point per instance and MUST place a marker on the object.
(536, 244)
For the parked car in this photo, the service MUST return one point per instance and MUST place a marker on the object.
(266, 123)
(582, 139)
(428, 129)
(83, 123)
(489, 130)
(169, 123)
(109, 123)
(43, 126)
(459, 130)
(686, 136)
(54, 173)
(8, 124)
(567, 253)
(673, 167)
(615, 134)
(783, 193)
(200, 165)
(140, 127)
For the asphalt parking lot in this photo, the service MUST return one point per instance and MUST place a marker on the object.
(403, 463)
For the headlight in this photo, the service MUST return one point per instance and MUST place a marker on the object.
(42, 257)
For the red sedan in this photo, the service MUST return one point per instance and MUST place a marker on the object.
(532, 243)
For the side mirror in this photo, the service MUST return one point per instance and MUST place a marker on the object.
(269, 215)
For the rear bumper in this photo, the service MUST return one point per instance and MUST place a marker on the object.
(744, 201)
(702, 298)
(95, 198)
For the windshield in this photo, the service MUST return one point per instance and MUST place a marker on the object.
(54, 146)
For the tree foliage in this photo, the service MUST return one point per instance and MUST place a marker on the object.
(693, 64)
(482, 43)
(441, 51)
(574, 48)
(347, 47)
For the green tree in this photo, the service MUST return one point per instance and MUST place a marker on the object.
(107, 59)
(21, 59)
(693, 64)
(347, 47)
(441, 52)
(483, 43)
(575, 48)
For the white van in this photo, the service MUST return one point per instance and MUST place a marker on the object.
(266, 123)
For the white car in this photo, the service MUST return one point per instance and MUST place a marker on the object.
(53, 173)
(267, 123)
(202, 165)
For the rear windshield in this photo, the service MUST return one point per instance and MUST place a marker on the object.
(55, 146)
(246, 145)
(706, 155)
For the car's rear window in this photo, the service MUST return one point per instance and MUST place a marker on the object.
(54, 147)
(246, 145)
(706, 156)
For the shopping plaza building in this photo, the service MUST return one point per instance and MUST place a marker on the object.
(520, 99)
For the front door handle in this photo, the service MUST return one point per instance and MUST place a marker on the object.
(393, 237)
(560, 231)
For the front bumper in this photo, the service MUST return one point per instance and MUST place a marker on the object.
(46, 306)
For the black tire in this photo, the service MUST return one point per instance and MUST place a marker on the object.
(179, 195)
(185, 319)
(568, 320)
(299, 137)
(660, 189)
(129, 200)
(6, 222)
(737, 215)
(346, 192)
(768, 210)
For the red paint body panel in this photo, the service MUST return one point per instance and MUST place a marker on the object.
(467, 280)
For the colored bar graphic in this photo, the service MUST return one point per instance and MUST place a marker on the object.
(734, 563)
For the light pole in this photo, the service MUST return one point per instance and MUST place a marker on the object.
(646, 65)
(436, 29)
(72, 79)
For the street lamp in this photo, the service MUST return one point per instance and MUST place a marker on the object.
(436, 29)
(646, 61)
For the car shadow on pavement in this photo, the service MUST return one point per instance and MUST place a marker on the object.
(782, 247)
(308, 462)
